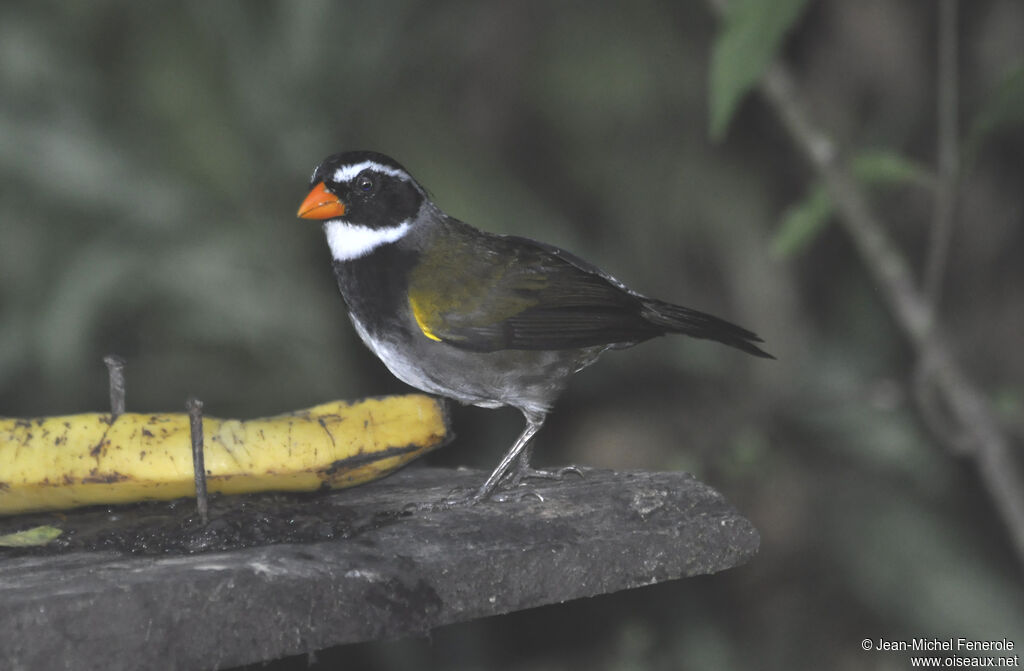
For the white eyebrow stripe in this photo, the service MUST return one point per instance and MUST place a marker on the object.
(346, 173)
(352, 241)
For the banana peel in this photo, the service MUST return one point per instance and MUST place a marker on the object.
(55, 463)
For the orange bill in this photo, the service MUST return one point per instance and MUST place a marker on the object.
(321, 204)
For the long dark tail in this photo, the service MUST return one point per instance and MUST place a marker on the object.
(677, 319)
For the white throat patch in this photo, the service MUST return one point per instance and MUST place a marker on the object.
(351, 241)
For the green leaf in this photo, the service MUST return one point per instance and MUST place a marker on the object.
(750, 36)
(802, 222)
(885, 167)
(1003, 109)
(30, 537)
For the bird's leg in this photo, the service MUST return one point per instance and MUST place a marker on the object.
(513, 477)
(533, 423)
(524, 471)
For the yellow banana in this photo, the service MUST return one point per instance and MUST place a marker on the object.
(53, 463)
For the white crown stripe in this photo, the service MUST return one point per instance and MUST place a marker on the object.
(346, 173)
(351, 241)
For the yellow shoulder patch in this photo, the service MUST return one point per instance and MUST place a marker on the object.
(418, 313)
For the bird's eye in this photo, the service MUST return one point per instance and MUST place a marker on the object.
(364, 183)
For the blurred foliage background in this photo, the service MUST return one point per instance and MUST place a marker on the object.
(153, 156)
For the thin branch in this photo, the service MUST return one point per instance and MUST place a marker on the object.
(985, 441)
(933, 411)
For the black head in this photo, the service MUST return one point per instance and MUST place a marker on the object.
(363, 188)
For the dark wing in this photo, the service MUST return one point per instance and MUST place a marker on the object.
(515, 293)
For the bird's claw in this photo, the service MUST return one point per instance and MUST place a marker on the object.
(516, 477)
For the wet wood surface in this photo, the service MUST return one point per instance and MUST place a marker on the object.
(371, 563)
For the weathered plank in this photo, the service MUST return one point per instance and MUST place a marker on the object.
(395, 571)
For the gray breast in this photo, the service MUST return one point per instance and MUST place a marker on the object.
(525, 379)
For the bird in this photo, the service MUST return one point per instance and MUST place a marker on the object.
(485, 319)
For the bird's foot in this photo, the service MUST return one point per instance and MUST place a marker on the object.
(501, 494)
(509, 488)
(516, 477)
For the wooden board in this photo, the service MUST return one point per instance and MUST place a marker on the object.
(395, 571)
